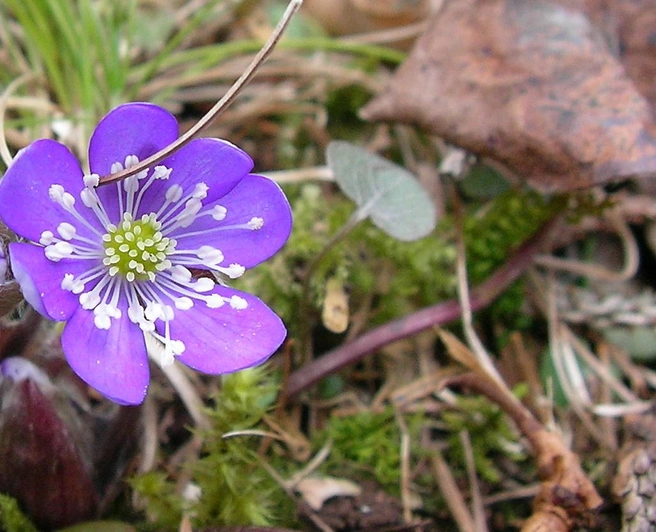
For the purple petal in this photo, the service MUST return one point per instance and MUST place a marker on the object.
(223, 340)
(254, 196)
(215, 162)
(40, 280)
(113, 361)
(140, 129)
(25, 204)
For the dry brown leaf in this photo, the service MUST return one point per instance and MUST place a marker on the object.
(335, 311)
(531, 84)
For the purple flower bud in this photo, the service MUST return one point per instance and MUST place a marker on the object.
(41, 462)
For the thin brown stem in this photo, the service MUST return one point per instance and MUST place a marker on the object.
(439, 314)
(219, 107)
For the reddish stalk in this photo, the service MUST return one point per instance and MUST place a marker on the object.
(439, 314)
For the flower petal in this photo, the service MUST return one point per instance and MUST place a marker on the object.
(215, 162)
(112, 361)
(140, 129)
(25, 204)
(224, 339)
(40, 280)
(254, 196)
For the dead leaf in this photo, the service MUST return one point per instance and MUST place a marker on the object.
(530, 84)
(630, 26)
(335, 312)
(317, 490)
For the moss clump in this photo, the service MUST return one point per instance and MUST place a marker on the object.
(12, 519)
(232, 487)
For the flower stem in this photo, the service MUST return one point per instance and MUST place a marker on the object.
(219, 107)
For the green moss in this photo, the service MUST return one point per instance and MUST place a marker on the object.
(12, 519)
(369, 443)
(490, 434)
(234, 488)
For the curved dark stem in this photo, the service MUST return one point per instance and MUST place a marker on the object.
(219, 107)
(439, 314)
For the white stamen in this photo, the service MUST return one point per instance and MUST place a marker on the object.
(91, 180)
(214, 301)
(66, 230)
(180, 274)
(178, 347)
(204, 284)
(162, 172)
(210, 255)
(174, 193)
(89, 300)
(233, 271)
(238, 303)
(188, 215)
(102, 321)
(59, 195)
(89, 197)
(67, 282)
(200, 191)
(219, 212)
(46, 238)
(60, 250)
(130, 161)
(183, 303)
(255, 223)
(153, 311)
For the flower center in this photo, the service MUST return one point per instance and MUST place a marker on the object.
(136, 249)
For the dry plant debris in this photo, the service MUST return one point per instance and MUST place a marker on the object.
(532, 85)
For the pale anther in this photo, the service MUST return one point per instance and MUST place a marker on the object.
(200, 191)
(88, 197)
(238, 303)
(219, 212)
(255, 223)
(162, 172)
(204, 284)
(46, 238)
(66, 230)
(233, 271)
(91, 180)
(174, 193)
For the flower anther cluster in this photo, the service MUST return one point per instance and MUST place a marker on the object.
(150, 255)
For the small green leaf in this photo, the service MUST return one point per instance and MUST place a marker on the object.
(388, 194)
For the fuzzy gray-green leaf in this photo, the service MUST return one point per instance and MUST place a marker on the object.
(388, 194)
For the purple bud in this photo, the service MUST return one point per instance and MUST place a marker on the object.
(41, 461)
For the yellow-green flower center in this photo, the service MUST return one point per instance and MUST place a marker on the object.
(136, 249)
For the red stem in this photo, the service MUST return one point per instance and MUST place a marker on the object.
(439, 314)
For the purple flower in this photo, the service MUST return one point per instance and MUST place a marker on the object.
(115, 262)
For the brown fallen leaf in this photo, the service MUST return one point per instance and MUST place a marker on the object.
(630, 26)
(531, 84)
